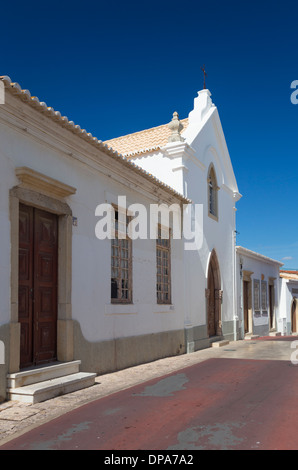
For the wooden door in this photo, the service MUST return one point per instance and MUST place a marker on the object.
(271, 308)
(211, 304)
(26, 284)
(293, 317)
(245, 306)
(38, 259)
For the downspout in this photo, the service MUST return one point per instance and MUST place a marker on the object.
(234, 276)
(241, 298)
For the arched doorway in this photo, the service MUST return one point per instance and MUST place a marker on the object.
(214, 296)
(294, 315)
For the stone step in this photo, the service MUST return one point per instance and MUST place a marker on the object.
(43, 373)
(219, 344)
(41, 391)
(250, 336)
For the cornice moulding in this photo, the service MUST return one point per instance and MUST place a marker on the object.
(31, 179)
(183, 150)
(234, 194)
(60, 125)
(257, 256)
(107, 163)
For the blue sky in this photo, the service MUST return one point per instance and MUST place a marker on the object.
(118, 67)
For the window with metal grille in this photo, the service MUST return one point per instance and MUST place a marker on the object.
(257, 303)
(121, 261)
(163, 264)
(264, 295)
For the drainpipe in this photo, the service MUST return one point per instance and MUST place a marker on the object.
(235, 277)
(241, 298)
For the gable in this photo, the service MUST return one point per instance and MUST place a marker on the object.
(202, 138)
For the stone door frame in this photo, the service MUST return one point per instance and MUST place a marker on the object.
(47, 194)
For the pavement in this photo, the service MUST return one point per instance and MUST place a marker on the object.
(17, 418)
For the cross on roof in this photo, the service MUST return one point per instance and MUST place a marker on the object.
(205, 75)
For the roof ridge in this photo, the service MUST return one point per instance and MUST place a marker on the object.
(143, 130)
(56, 116)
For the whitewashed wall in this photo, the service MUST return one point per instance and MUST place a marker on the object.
(184, 166)
(91, 257)
(262, 268)
(47, 148)
(288, 290)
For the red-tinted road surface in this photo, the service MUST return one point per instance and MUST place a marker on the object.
(216, 404)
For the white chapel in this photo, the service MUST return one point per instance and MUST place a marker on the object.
(77, 305)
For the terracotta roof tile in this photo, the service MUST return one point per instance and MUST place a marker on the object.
(289, 274)
(143, 141)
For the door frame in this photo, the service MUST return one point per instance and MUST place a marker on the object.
(43, 199)
(246, 306)
(271, 293)
(247, 278)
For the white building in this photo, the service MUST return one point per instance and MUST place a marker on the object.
(70, 299)
(258, 291)
(289, 302)
(192, 157)
(63, 294)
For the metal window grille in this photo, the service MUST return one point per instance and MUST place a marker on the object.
(264, 295)
(256, 295)
(163, 264)
(121, 261)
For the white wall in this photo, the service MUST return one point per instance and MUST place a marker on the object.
(261, 270)
(185, 168)
(91, 258)
(288, 289)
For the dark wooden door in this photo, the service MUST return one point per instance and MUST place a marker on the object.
(245, 306)
(271, 308)
(293, 317)
(26, 284)
(211, 304)
(38, 260)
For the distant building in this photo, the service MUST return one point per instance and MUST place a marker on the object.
(258, 291)
(289, 301)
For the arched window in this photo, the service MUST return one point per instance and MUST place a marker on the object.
(212, 193)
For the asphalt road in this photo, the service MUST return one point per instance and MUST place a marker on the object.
(220, 403)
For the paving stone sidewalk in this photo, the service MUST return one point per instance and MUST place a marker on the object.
(17, 418)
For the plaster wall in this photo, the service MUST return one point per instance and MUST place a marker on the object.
(289, 292)
(259, 269)
(185, 168)
(46, 148)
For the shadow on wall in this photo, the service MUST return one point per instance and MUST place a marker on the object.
(119, 353)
